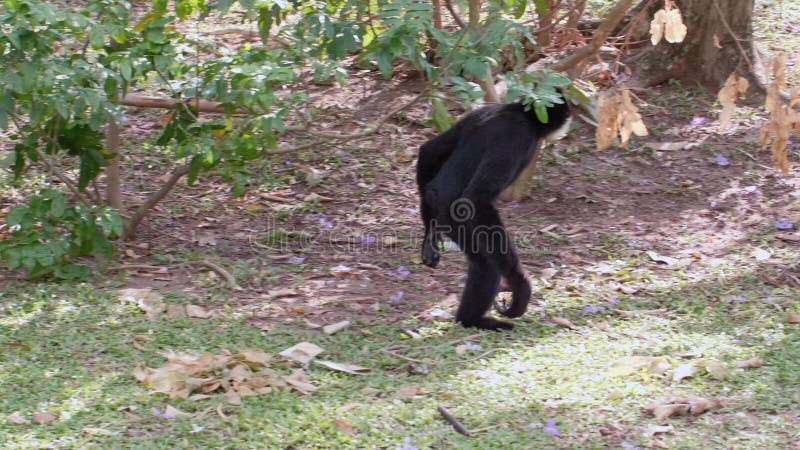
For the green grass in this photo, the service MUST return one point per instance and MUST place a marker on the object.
(67, 351)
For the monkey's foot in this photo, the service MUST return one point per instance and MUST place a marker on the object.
(487, 323)
(430, 256)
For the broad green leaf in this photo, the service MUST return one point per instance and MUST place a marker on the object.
(96, 37)
(58, 206)
(476, 68)
(541, 111)
(439, 115)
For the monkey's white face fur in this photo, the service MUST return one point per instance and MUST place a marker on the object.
(560, 132)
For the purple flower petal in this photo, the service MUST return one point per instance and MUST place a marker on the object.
(550, 428)
(628, 446)
(157, 412)
(713, 205)
(406, 445)
(472, 346)
(512, 204)
(295, 260)
(740, 299)
(402, 272)
(698, 120)
(395, 299)
(368, 239)
(784, 225)
(721, 161)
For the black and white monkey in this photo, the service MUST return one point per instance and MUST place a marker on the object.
(460, 174)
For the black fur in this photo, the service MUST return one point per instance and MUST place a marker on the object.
(460, 173)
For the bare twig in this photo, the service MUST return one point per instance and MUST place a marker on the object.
(457, 425)
(734, 37)
(325, 137)
(553, 23)
(69, 183)
(113, 192)
(224, 273)
(456, 17)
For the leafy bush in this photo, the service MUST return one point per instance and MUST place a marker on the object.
(46, 235)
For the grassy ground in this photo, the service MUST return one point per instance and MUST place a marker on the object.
(68, 351)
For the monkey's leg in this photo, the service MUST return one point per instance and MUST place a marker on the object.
(479, 292)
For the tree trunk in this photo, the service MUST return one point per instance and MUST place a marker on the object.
(718, 43)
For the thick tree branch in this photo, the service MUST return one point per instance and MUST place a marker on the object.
(599, 38)
(152, 200)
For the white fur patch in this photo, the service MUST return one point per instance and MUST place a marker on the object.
(560, 132)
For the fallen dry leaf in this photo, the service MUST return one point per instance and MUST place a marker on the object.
(233, 398)
(629, 365)
(716, 369)
(175, 311)
(41, 417)
(793, 317)
(342, 425)
(335, 327)
(221, 413)
(751, 363)
(302, 353)
(408, 392)
(663, 409)
(147, 300)
(343, 367)
(16, 418)
(253, 355)
(563, 322)
(299, 382)
(653, 430)
(348, 407)
(684, 371)
(662, 412)
(662, 259)
(198, 312)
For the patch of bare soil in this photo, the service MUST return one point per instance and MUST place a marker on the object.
(333, 233)
(354, 254)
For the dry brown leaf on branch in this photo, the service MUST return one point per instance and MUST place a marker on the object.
(674, 29)
(727, 97)
(667, 23)
(607, 126)
(617, 115)
(782, 117)
(630, 120)
(657, 26)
